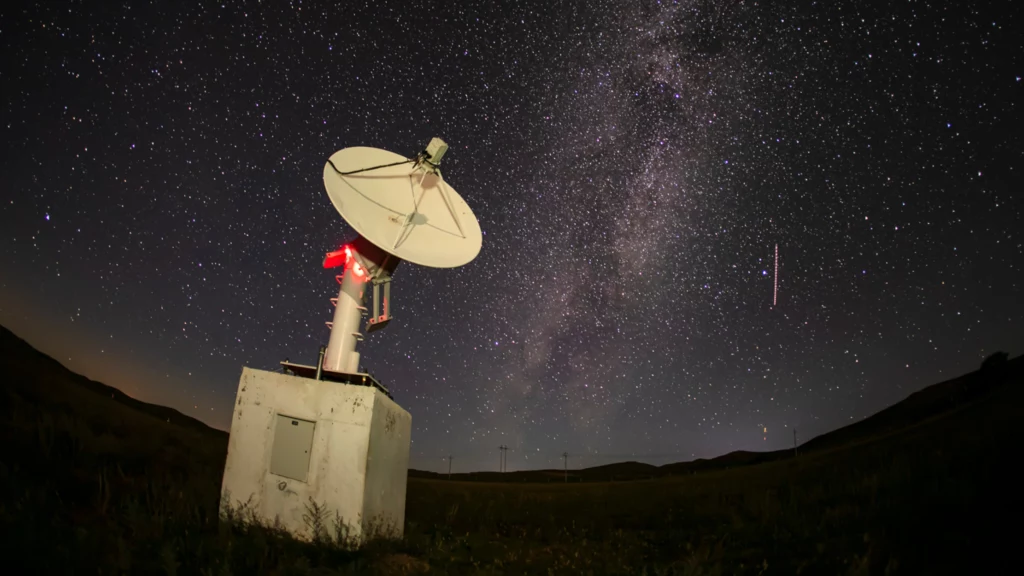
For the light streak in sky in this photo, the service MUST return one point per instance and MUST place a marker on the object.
(775, 297)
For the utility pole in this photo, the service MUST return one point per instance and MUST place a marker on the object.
(449, 467)
(794, 443)
(565, 460)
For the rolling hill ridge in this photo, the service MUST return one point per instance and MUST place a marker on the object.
(96, 479)
(39, 379)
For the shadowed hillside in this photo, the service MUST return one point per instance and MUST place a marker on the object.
(96, 482)
(931, 402)
(43, 381)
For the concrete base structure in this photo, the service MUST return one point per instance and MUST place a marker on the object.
(296, 442)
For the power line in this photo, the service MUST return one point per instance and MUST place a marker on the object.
(586, 460)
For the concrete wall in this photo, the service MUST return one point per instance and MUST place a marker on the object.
(384, 498)
(354, 451)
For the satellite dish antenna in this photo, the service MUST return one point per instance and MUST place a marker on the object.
(402, 209)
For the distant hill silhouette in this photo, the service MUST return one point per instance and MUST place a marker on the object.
(40, 380)
(45, 382)
(921, 406)
(95, 481)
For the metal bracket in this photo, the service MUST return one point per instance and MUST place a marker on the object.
(381, 306)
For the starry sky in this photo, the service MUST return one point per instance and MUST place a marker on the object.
(632, 164)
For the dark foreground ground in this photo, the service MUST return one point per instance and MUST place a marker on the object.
(95, 483)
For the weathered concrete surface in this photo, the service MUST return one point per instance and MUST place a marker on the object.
(359, 457)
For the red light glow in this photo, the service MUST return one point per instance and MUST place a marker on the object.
(337, 258)
(334, 259)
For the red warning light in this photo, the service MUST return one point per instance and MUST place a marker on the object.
(338, 257)
(334, 259)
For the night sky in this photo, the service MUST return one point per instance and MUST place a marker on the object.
(632, 165)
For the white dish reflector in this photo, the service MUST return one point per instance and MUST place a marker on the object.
(407, 210)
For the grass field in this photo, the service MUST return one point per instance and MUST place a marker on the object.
(94, 485)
